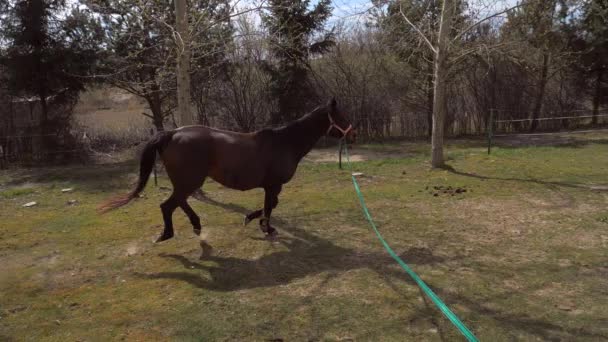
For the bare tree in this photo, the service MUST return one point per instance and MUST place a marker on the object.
(184, 108)
(449, 48)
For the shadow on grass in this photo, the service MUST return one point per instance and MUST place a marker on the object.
(517, 321)
(93, 178)
(307, 254)
(527, 180)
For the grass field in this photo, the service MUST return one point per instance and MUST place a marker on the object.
(112, 117)
(522, 255)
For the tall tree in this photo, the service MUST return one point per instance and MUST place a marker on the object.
(212, 31)
(449, 44)
(296, 32)
(403, 39)
(240, 100)
(47, 46)
(142, 45)
(538, 25)
(139, 57)
(45, 51)
(184, 107)
(593, 44)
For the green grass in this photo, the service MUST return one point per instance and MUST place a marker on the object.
(12, 193)
(520, 256)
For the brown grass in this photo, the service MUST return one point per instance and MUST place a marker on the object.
(112, 118)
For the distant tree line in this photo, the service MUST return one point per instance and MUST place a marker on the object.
(410, 68)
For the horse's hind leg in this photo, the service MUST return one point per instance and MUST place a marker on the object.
(194, 219)
(167, 208)
(252, 216)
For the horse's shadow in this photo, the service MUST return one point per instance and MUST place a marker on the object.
(306, 254)
(278, 268)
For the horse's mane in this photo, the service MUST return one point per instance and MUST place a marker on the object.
(301, 120)
(287, 129)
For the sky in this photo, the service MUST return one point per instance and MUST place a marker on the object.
(347, 8)
(353, 8)
(354, 11)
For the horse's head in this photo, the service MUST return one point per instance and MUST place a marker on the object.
(339, 126)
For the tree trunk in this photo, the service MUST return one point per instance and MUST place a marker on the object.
(597, 96)
(44, 109)
(157, 113)
(46, 142)
(183, 64)
(493, 86)
(538, 102)
(440, 86)
(429, 96)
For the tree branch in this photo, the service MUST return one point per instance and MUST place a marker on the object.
(470, 27)
(417, 30)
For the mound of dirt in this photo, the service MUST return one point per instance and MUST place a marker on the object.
(438, 190)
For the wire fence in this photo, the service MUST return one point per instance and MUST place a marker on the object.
(507, 116)
(539, 126)
(555, 118)
(17, 148)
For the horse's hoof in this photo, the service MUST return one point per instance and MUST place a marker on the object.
(199, 195)
(197, 231)
(272, 233)
(246, 221)
(163, 238)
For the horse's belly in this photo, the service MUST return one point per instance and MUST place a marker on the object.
(237, 164)
(239, 177)
(235, 182)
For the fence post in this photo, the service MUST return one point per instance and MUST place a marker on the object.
(490, 127)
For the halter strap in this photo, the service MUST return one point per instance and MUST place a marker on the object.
(332, 124)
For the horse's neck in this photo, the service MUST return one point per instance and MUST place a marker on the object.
(304, 134)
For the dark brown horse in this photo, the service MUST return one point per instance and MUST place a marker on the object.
(264, 159)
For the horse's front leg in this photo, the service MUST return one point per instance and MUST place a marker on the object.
(271, 200)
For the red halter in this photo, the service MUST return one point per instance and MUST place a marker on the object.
(332, 124)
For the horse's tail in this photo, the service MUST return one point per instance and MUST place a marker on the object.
(146, 164)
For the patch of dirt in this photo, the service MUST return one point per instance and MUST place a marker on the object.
(327, 155)
(495, 220)
(446, 190)
(132, 249)
(49, 260)
(64, 279)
